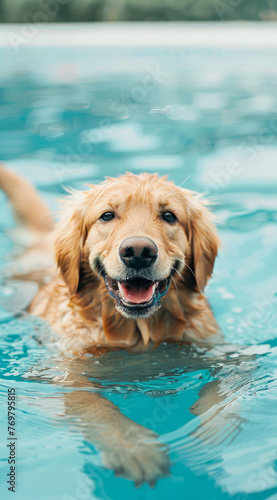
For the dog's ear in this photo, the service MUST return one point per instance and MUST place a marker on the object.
(204, 243)
(68, 241)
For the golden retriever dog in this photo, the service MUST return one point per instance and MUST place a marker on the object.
(133, 255)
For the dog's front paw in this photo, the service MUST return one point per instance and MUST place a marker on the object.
(141, 459)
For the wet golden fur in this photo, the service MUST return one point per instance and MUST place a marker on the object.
(78, 306)
(77, 303)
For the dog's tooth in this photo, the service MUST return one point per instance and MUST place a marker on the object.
(120, 289)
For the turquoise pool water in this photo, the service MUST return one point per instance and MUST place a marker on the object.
(210, 122)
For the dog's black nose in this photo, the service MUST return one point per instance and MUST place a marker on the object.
(138, 253)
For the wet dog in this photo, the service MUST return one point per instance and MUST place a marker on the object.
(133, 255)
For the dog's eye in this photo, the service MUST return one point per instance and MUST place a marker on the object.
(107, 216)
(169, 217)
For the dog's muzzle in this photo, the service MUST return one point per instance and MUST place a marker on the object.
(138, 293)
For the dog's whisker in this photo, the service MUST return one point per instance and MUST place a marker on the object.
(100, 271)
(176, 271)
(191, 271)
(179, 185)
(175, 286)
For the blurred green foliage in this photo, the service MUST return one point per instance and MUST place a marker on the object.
(136, 10)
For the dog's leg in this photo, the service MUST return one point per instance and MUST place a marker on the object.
(127, 448)
(130, 450)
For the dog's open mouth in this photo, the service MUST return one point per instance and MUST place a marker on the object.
(137, 297)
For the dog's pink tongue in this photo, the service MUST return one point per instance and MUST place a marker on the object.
(137, 294)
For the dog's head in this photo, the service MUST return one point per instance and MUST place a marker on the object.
(135, 233)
